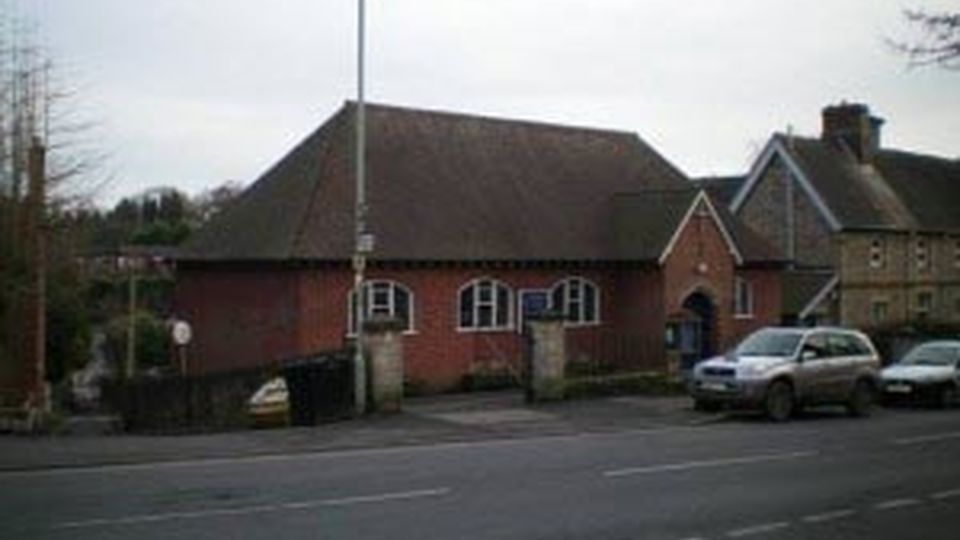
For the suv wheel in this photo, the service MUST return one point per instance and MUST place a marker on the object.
(861, 399)
(779, 403)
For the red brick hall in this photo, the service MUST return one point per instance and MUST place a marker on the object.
(479, 223)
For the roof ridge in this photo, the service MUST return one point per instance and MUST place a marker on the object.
(920, 155)
(543, 124)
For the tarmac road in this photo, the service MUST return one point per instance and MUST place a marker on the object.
(896, 475)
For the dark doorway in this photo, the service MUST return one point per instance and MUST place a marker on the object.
(697, 329)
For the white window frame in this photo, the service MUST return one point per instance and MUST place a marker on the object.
(568, 298)
(921, 253)
(920, 309)
(878, 252)
(389, 309)
(873, 310)
(740, 311)
(493, 303)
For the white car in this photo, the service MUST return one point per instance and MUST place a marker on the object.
(270, 405)
(929, 373)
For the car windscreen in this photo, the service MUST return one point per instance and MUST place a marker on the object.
(931, 355)
(769, 343)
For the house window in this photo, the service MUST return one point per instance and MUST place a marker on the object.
(924, 305)
(922, 253)
(878, 252)
(578, 299)
(485, 305)
(742, 298)
(879, 311)
(382, 298)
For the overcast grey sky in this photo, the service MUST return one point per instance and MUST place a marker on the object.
(191, 93)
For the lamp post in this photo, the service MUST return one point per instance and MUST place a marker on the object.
(363, 242)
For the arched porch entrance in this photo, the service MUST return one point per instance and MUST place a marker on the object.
(697, 329)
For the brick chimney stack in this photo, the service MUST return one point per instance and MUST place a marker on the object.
(853, 124)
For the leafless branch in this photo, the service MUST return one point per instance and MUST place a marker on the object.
(939, 43)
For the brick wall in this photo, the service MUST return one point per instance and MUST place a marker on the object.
(899, 281)
(240, 318)
(813, 245)
(763, 209)
(766, 304)
(702, 261)
(243, 318)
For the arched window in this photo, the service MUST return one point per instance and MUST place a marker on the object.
(485, 304)
(578, 299)
(383, 298)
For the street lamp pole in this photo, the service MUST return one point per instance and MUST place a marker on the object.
(362, 241)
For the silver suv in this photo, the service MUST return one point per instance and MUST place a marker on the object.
(779, 370)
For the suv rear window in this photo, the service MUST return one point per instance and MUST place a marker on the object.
(847, 345)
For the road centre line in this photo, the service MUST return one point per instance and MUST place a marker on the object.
(758, 529)
(326, 454)
(829, 516)
(893, 504)
(947, 494)
(217, 512)
(927, 438)
(688, 465)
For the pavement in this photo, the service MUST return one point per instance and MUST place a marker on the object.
(424, 421)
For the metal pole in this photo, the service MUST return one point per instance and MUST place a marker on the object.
(360, 210)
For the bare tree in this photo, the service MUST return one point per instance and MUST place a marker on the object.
(939, 42)
(46, 163)
(36, 102)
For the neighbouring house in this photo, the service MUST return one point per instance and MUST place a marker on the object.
(480, 223)
(872, 234)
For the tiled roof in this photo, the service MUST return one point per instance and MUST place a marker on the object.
(753, 246)
(645, 222)
(441, 186)
(799, 287)
(899, 191)
(928, 186)
(722, 189)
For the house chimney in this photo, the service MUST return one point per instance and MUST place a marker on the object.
(852, 124)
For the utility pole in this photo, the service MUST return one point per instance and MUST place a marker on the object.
(363, 242)
(36, 239)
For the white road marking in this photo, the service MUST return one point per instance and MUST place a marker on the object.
(758, 529)
(948, 494)
(215, 512)
(684, 466)
(893, 504)
(927, 438)
(829, 516)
